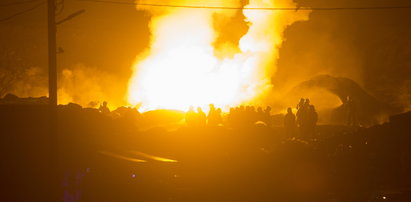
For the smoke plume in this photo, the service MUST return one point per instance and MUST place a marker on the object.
(190, 63)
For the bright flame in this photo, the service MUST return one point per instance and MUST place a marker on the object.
(181, 68)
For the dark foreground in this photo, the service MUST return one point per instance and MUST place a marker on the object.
(101, 158)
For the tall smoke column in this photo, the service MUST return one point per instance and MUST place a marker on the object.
(264, 38)
(180, 68)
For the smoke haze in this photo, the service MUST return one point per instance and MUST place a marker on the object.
(369, 47)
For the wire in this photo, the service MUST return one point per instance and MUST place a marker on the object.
(17, 3)
(22, 12)
(251, 8)
(71, 16)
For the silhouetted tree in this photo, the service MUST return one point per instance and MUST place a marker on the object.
(11, 69)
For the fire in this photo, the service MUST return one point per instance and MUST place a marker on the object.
(180, 69)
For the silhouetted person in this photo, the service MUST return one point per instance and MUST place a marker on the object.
(300, 104)
(301, 114)
(212, 107)
(307, 103)
(211, 114)
(351, 111)
(267, 110)
(241, 110)
(312, 118)
(190, 117)
(260, 114)
(267, 115)
(219, 118)
(289, 122)
(201, 117)
(241, 115)
(306, 115)
(250, 115)
(103, 108)
(215, 118)
(231, 116)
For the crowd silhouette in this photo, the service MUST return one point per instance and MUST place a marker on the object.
(248, 115)
(214, 117)
(241, 155)
(302, 124)
(196, 119)
(306, 118)
(237, 116)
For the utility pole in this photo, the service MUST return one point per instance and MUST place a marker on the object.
(56, 192)
(52, 54)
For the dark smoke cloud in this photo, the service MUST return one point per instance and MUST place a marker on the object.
(371, 47)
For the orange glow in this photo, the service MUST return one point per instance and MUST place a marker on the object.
(156, 158)
(122, 157)
(181, 69)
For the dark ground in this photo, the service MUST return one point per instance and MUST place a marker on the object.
(97, 159)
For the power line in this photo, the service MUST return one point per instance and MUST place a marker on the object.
(22, 12)
(71, 16)
(250, 8)
(17, 3)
